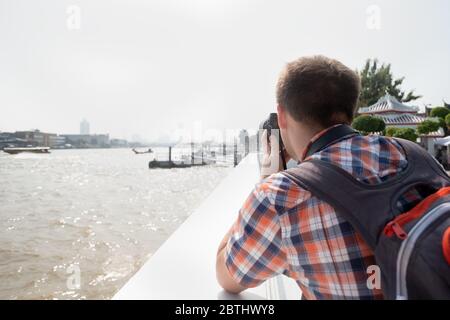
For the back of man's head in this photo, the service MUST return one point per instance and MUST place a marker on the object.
(319, 91)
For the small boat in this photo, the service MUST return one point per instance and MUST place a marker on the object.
(14, 150)
(142, 152)
(169, 164)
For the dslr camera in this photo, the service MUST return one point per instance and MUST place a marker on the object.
(271, 124)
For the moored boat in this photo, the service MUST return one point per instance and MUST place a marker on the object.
(13, 150)
(142, 152)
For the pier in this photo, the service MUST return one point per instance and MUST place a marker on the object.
(204, 156)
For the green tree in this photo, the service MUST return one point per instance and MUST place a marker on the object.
(428, 126)
(368, 124)
(441, 122)
(441, 113)
(390, 131)
(406, 133)
(447, 120)
(376, 80)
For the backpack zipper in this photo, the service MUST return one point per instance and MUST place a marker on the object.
(396, 225)
(408, 245)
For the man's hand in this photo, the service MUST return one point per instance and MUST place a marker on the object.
(271, 161)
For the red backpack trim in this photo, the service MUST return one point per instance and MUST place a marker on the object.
(396, 226)
(446, 245)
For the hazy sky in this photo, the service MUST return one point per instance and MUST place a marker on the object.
(148, 67)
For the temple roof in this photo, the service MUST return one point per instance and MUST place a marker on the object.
(401, 119)
(394, 120)
(388, 104)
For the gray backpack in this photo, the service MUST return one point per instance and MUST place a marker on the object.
(412, 249)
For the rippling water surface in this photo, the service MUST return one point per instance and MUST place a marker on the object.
(102, 211)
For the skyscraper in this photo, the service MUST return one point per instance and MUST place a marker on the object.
(84, 127)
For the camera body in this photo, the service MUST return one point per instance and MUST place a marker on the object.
(272, 124)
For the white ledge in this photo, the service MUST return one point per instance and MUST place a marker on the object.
(184, 266)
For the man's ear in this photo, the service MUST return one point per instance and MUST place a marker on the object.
(282, 121)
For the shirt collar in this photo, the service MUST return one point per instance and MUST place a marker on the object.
(315, 137)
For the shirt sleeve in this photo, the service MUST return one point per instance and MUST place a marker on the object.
(254, 252)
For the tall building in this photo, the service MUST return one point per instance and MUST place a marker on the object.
(84, 127)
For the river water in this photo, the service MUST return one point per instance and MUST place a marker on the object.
(99, 212)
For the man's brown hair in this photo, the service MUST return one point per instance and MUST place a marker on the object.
(319, 90)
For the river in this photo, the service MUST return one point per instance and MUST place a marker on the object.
(101, 212)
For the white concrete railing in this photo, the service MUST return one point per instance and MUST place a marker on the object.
(184, 266)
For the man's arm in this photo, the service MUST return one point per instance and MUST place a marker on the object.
(271, 160)
(223, 275)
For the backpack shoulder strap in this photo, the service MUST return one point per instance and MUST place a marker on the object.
(341, 191)
(423, 160)
(368, 207)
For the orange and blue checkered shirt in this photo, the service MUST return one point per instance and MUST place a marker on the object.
(284, 229)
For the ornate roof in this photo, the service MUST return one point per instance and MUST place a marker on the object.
(401, 119)
(409, 119)
(388, 104)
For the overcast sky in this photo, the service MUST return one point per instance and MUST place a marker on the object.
(147, 67)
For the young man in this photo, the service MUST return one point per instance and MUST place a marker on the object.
(284, 229)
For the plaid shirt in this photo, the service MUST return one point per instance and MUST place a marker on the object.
(284, 229)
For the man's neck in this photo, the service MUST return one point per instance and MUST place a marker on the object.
(301, 136)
